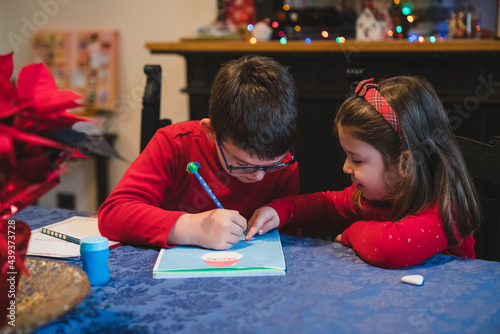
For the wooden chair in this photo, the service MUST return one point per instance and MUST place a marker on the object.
(150, 120)
(483, 164)
(482, 159)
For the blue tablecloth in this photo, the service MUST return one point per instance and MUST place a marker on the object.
(327, 289)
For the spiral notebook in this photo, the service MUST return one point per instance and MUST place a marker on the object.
(260, 256)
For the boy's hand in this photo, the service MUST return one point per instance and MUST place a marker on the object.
(216, 229)
(263, 220)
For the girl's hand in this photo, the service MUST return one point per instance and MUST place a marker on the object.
(338, 238)
(216, 229)
(263, 220)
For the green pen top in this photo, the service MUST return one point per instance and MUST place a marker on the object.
(192, 167)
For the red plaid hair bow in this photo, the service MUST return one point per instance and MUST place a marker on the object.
(369, 90)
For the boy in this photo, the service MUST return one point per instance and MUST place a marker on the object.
(244, 150)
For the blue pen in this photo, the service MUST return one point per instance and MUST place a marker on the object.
(192, 168)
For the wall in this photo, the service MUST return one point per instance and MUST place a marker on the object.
(137, 22)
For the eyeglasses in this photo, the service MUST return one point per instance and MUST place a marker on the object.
(253, 169)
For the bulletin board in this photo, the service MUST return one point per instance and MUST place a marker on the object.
(82, 61)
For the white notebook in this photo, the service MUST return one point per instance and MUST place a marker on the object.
(79, 227)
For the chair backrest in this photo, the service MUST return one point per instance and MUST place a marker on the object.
(482, 159)
(483, 164)
(150, 119)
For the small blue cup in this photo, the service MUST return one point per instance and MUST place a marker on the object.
(95, 253)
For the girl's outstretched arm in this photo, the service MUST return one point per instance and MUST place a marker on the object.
(397, 244)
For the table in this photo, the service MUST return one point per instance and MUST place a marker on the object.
(327, 289)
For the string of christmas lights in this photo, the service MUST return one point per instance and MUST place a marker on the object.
(406, 10)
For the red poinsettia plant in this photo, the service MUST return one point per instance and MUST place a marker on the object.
(35, 134)
(36, 140)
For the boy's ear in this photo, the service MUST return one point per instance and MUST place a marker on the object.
(206, 126)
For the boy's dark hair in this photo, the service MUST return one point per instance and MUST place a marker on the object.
(426, 154)
(253, 104)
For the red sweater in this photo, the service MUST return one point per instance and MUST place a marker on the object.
(377, 241)
(156, 189)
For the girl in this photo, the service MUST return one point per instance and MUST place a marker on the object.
(411, 196)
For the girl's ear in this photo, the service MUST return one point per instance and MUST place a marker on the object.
(206, 126)
(405, 162)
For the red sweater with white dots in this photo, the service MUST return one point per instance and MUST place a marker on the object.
(375, 239)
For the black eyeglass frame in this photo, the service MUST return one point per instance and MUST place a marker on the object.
(253, 169)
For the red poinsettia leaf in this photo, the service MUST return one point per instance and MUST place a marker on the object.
(24, 124)
(7, 158)
(35, 155)
(38, 122)
(7, 90)
(6, 109)
(6, 144)
(30, 138)
(63, 116)
(8, 98)
(80, 155)
(38, 89)
(28, 195)
(6, 65)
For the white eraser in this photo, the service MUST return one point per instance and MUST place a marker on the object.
(413, 279)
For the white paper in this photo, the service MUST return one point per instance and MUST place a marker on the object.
(79, 227)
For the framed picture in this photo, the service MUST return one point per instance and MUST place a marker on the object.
(94, 68)
(82, 61)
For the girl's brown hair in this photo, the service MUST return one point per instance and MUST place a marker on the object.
(426, 153)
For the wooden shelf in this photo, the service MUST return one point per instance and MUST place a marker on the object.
(216, 45)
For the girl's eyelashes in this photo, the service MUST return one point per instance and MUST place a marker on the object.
(356, 162)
